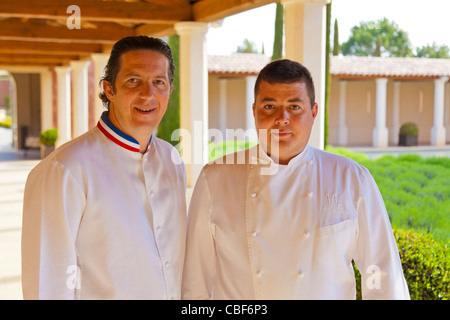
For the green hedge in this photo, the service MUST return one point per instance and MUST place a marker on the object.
(426, 266)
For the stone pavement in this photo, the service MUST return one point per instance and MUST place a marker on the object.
(13, 175)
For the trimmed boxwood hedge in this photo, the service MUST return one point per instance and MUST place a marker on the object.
(426, 266)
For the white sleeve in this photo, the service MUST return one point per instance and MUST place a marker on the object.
(376, 254)
(52, 209)
(199, 266)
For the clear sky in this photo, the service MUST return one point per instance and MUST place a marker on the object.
(424, 21)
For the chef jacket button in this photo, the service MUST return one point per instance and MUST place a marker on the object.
(167, 264)
(253, 195)
(260, 274)
(254, 233)
(310, 162)
(306, 234)
(300, 274)
(158, 228)
(310, 194)
(151, 194)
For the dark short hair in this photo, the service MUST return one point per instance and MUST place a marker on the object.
(129, 44)
(286, 71)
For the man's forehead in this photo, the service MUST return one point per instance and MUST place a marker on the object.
(133, 60)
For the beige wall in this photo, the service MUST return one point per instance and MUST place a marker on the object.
(416, 105)
(235, 102)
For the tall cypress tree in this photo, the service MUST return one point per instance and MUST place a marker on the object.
(278, 36)
(336, 46)
(171, 120)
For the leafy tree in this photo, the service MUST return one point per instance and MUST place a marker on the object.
(247, 47)
(433, 51)
(278, 35)
(378, 38)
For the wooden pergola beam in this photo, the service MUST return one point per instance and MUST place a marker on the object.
(49, 48)
(212, 10)
(149, 11)
(39, 30)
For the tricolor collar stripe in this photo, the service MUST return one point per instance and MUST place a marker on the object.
(117, 136)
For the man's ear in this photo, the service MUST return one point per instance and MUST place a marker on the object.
(315, 110)
(108, 89)
(253, 107)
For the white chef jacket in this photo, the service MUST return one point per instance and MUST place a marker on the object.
(260, 230)
(103, 221)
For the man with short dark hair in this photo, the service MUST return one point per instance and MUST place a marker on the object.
(283, 220)
(104, 216)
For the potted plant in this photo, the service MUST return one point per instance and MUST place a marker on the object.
(48, 138)
(408, 135)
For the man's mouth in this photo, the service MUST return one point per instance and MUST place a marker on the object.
(281, 134)
(145, 110)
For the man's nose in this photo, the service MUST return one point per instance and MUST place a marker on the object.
(147, 90)
(282, 118)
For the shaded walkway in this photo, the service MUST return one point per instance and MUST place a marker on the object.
(13, 175)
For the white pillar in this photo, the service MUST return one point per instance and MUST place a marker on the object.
(342, 123)
(305, 35)
(46, 100)
(80, 97)
(193, 96)
(395, 128)
(223, 105)
(63, 99)
(438, 135)
(250, 127)
(380, 132)
(100, 60)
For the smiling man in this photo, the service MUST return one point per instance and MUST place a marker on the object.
(104, 216)
(292, 232)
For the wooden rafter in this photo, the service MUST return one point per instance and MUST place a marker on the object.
(39, 28)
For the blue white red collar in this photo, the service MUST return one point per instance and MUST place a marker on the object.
(117, 136)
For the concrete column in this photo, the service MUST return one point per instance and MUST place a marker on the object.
(250, 127)
(305, 34)
(100, 60)
(64, 102)
(223, 105)
(395, 128)
(342, 125)
(193, 96)
(46, 100)
(380, 132)
(80, 97)
(438, 135)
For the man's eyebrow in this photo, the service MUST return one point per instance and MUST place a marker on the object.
(268, 100)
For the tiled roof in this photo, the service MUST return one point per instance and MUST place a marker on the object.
(238, 64)
(354, 67)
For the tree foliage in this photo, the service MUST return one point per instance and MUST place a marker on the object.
(278, 34)
(433, 51)
(378, 38)
(247, 47)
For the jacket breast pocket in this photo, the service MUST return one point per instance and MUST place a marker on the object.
(337, 228)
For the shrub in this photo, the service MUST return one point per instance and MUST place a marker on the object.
(409, 129)
(426, 266)
(48, 137)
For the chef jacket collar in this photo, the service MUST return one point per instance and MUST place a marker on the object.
(117, 136)
(263, 158)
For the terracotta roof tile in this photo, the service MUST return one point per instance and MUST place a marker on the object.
(237, 63)
(354, 66)
(342, 66)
